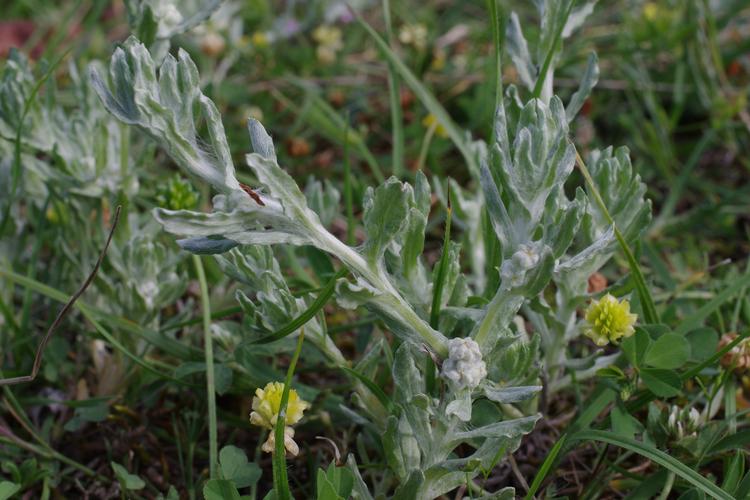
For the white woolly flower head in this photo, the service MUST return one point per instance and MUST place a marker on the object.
(464, 367)
(169, 17)
(513, 270)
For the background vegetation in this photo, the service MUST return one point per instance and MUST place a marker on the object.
(119, 406)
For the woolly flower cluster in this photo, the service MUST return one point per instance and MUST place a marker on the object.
(513, 270)
(464, 366)
(609, 320)
(266, 404)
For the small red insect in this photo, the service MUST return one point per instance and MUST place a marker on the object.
(252, 194)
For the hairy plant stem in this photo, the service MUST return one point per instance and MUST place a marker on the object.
(213, 444)
(502, 301)
(399, 307)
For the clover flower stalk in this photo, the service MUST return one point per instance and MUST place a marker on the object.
(609, 320)
(266, 405)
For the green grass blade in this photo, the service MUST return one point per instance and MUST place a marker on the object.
(327, 121)
(696, 318)
(677, 189)
(348, 197)
(644, 294)
(280, 479)
(497, 42)
(372, 387)
(325, 293)
(657, 456)
(171, 346)
(437, 295)
(715, 357)
(394, 94)
(442, 269)
(429, 101)
(16, 170)
(213, 440)
(599, 400)
(546, 466)
(551, 53)
(90, 314)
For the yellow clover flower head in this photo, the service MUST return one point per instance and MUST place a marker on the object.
(609, 320)
(266, 404)
(430, 121)
(650, 11)
(260, 39)
(329, 43)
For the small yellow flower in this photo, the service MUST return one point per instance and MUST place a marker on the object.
(413, 34)
(52, 215)
(650, 11)
(438, 60)
(609, 320)
(432, 121)
(259, 39)
(329, 43)
(266, 404)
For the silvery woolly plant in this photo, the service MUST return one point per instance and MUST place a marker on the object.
(613, 176)
(421, 426)
(76, 162)
(533, 225)
(481, 343)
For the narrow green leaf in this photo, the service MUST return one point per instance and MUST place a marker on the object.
(552, 49)
(308, 314)
(442, 268)
(661, 458)
(696, 318)
(428, 100)
(644, 293)
(280, 480)
(733, 471)
(394, 96)
(372, 387)
(546, 467)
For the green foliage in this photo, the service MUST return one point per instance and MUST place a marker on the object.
(460, 287)
(127, 480)
(334, 483)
